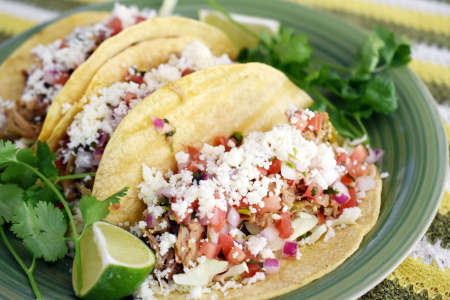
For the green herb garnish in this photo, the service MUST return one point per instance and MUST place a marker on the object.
(314, 191)
(169, 133)
(197, 176)
(237, 136)
(330, 191)
(29, 196)
(290, 164)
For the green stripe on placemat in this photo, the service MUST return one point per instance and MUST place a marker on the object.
(440, 230)
(58, 5)
(440, 92)
(389, 289)
(4, 36)
(414, 34)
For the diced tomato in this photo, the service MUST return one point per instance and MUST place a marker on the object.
(271, 204)
(193, 152)
(352, 201)
(62, 78)
(359, 154)
(290, 182)
(302, 120)
(218, 219)
(209, 249)
(263, 171)
(139, 19)
(236, 255)
(187, 72)
(252, 270)
(222, 140)
(226, 242)
(135, 78)
(347, 180)
(341, 158)
(284, 226)
(115, 25)
(129, 96)
(315, 123)
(321, 218)
(63, 44)
(275, 167)
(313, 191)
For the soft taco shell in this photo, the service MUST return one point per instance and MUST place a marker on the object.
(78, 82)
(208, 103)
(145, 56)
(12, 81)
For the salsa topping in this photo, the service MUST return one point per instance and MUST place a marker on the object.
(252, 201)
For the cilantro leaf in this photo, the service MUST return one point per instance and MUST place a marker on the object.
(94, 210)
(40, 192)
(42, 228)
(7, 152)
(10, 198)
(396, 50)
(380, 95)
(369, 56)
(46, 163)
(18, 174)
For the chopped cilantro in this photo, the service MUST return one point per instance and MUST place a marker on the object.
(237, 136)
(163, 201)
(290, 164)
(197, 176)
(330, 191)
(314, 191)
(170, 133)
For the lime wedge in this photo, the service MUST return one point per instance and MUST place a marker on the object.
(114, 263)
(239, 37)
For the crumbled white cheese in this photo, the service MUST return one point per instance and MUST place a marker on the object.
(267, 253)
(257, 277)
(167, 240)
(256, 243)
(5, 105)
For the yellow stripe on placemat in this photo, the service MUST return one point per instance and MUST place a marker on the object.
(92, 1)
(388, 13)
(12, 25)
(444, 208)
(431, 72)
(422, 276)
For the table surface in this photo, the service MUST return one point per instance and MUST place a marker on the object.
(425, 273)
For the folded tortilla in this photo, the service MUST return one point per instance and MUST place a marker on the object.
(78, 83)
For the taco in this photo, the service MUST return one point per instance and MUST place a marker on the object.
(115, 89)
(239, 190)
(36, 71)
(59, 116)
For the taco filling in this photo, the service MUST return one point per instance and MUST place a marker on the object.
(82, 148)
(231, 211)
(56, 62)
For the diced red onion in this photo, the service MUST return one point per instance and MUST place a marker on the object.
(225, 229)
(158, 123)
(270, 233)
(374, 155)
(290, 249)
(341, 198)
(51, 76)
(150, 221)
(271, 265)
(233, 217)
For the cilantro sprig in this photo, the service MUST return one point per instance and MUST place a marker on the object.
(350, 94)
(30, 198)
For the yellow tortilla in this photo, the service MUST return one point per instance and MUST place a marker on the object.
(78, 82)
(209, 103)
(145, 56)
(12, 81)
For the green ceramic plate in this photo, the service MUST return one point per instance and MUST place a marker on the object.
(416, 158)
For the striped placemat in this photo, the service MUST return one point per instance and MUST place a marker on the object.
(425, 274)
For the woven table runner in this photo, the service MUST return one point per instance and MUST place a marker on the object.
(425, 273)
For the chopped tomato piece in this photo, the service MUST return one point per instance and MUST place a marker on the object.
(226, 242)
(252, 270)
(115, 25)
(193, 152)
(347, 179)
(209, 249)
(359, 154)
(129, 96)
(290, 182)
(352, 201)
(313, 191)
(222, 140)
(315, 123)
(263, 171)
(62, 79)
(301, 120)
(341, 158)
(321, 218)
(187, 72)
(218, 219)
(135, 78)
(284, 226)
(271, 204)
(275, 167)
(139, 19)
(236, 255)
